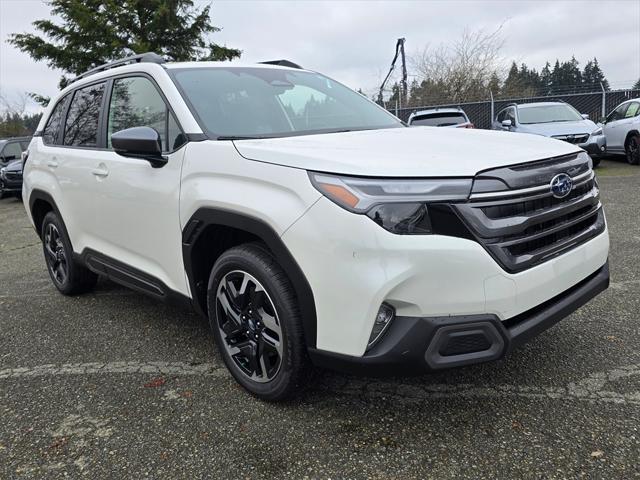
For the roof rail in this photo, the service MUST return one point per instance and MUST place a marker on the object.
(282, 63)
(149, 57)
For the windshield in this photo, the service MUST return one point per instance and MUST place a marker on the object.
(439, 120)
(236, 102)
(548, 114)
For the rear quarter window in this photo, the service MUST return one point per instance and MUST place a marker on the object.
(51, 133)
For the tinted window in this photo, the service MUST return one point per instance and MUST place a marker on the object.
(618, 113)
(174, 135)
(439, 119)
(51, 133)
(11, 151)
(135, 102)
(81, 127)
(263, 102)
(632, 110)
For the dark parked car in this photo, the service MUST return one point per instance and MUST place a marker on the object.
(11, 149)
(11, 179)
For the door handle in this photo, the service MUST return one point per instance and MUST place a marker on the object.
(101, 171)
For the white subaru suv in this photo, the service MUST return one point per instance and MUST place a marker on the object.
(309, 225)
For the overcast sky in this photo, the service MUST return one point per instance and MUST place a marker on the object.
(353, 41)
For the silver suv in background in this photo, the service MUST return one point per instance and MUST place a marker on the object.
(622, 130)
(553, 119)
(440, 117)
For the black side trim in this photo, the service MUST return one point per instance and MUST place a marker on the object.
(130, 277)
(206, 217)
(417, 345)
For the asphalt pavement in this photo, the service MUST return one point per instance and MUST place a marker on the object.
(114, 385)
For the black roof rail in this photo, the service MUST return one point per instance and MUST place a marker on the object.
(149, 57)
(282, 63)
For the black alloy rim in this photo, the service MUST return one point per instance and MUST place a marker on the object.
(249, 326)
(55, 254)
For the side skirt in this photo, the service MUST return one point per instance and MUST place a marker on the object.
(132, 278)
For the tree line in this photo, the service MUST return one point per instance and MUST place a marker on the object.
(472, 68)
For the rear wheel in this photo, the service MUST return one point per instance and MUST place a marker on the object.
(632, 149)
(255, 320)
(67, 274)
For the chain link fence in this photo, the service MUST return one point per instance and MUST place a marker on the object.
(595, 104)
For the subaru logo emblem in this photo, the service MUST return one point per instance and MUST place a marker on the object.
(561, 185)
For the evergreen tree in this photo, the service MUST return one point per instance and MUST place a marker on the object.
(636, 86)
(93, 32)
(593, 75)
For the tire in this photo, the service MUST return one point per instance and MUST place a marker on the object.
(632, 149)
(255, 319)
(68, 276)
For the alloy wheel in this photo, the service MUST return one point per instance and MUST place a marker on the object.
(56, 257)
(249, 326)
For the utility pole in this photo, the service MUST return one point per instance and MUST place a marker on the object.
(403, 81)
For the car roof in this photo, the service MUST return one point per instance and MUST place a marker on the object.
(539, 104)
(227, 64)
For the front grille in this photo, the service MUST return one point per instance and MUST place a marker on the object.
(523, 227)
(577, 138)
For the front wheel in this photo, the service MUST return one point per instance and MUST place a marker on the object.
(256, 322)
(632, 149)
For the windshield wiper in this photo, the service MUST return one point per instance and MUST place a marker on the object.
(238, 137)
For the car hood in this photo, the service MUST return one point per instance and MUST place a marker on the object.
(559, 128)
(404, 152)
(14, 166)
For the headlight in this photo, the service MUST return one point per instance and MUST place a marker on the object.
(398, 205)
(596, 132)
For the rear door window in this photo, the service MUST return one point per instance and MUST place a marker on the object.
(81, 127)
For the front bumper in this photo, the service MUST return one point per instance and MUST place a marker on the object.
(353, 266)
(414, 344)
(10, 186)
(595, 145)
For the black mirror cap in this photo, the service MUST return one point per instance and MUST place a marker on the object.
(139, 142)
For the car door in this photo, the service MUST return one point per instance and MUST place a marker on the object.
(68, 160)
(136, 205)
(613, 130)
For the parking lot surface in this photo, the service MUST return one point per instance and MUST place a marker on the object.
(114, 385)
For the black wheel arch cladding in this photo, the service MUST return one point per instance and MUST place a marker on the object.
(203, 227)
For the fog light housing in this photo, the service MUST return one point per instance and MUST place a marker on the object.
(385, 316)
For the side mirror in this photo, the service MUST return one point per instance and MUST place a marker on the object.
(585, 116)
(143, 143)
(506, 124)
